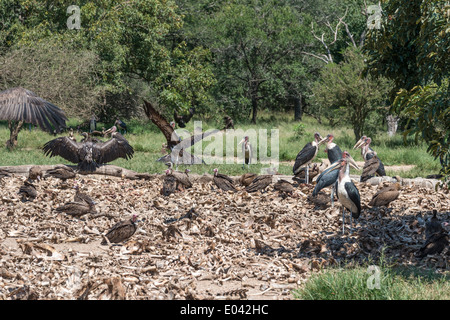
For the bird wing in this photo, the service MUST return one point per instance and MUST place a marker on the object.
(223, 182)
(259, 183)
(325, 179)
(116, 147)
(19, 104)
(169, 185)
(370, 167)
(189, 142)
(354, 196)
(304, 156)
(121, 231)
(161, 123)
(65, 148)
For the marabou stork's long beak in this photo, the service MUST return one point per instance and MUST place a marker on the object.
(359, 143)
(322, 140)
(242, 141)
(352, 162)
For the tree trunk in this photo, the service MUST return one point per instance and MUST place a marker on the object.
(14, 129)
(254, 108)
(298, 108)
(392, 122)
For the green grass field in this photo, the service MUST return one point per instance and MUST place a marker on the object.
(147, 140)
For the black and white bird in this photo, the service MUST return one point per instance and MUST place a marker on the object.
(247, 152)
(329, 176)
(347, 192)
(307, 155)
(333, 151)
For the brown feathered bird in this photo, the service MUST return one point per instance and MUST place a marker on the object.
(121, 231)
(259, 183)
(247, 178)
(301, 176)
(436, 237)
(370, 168)
(89, 154)
(183, 181)
(35, 173)
(284, 187)
(61, 172)
(170, 184)
(77, 209)
(228, 123)
(81, 196)
(223, 182)
(384, 196)
(28, 191)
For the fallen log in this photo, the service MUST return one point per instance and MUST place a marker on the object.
(106, 170)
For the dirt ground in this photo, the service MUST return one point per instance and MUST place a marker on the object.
(235, 246)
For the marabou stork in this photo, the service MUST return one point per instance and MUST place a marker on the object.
(333, 151)
(307, 155)
(246, 152)
(121, 125)
(347, 192)
(329, 176)
(368, 153)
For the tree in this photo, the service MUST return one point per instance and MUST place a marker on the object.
(412, 48)
(346, 95)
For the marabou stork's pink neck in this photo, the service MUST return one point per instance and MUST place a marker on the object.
(345, 170)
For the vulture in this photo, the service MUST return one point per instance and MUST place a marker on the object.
(170, 184)
(222, 181)
(284, 187)
(88, 155)
(259, 183)
(77, 209)
(247, 178)
(121, 231)
(385, 195)
(35, 173)
(28, 191)
(371, 165)
(183, 181)
(307, 155)
(246, 152)
(436, 238)
(183, 119)
(61, 172)
(301, 176)
(176, 146)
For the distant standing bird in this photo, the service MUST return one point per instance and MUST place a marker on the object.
(121, 125)
(246, 152)
(259, 183)
(347, 192)
(384, 196)
(121, 231)
(307, 155)
(228, 123)
(333, 151)
(93, 123)
(223, 182)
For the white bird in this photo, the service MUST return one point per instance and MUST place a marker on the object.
(246, 152)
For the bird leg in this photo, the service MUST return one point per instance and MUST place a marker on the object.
(332, 196)
(343, 220)
(307, 174)
(351, 221)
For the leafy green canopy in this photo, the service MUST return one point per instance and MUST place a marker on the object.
(131, 38)
(412, 48)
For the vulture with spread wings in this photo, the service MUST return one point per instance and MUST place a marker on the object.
(19, 106)
(177, 147)
(90, 154)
